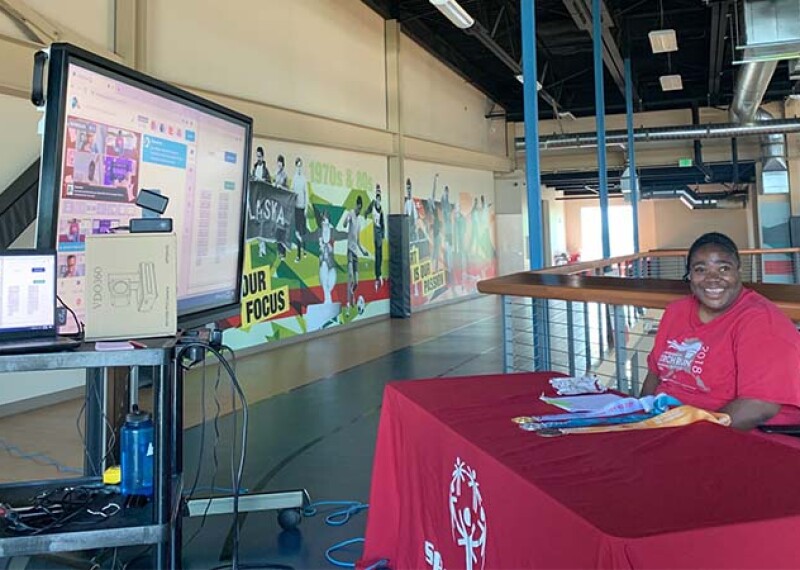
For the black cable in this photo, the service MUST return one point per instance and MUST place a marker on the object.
(78, 324)
(215, 458)
(236, 523)
(237, 484)
(88, 457)
(202, 432)
(57, 510)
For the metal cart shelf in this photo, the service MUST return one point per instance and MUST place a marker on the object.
(159, 522)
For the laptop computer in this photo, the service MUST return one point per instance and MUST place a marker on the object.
(28, 303)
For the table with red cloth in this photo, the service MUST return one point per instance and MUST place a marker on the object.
(456, 484)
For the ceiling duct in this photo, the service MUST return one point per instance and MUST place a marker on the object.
(751, 86)
(657, 134)
(701, 201)
(772, 33)
(771, 30)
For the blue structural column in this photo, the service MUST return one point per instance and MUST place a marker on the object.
(632, 153)
(532, 171)
(533, 177)
(600, 121)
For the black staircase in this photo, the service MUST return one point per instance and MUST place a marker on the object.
(18, 205)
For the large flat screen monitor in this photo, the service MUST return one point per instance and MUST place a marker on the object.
(110, 132)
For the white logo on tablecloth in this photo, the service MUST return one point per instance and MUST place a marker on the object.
(467, 515)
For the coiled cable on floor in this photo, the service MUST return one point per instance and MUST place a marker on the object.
(339, 517)
(338, 546)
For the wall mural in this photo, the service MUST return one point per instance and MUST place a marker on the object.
(452, 239)
(316, 243)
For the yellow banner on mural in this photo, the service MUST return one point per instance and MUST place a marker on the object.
(260, 302)
(422, 272)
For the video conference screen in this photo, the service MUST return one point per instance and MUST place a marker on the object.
(117, 137)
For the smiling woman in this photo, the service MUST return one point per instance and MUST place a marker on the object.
(726, 348)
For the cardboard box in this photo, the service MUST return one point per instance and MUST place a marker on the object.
(131, 286)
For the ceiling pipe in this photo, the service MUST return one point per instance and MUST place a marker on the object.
(751, 86)
(657, 134)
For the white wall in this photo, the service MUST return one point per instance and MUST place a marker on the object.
(19, 143)
(93, 19)
(317, 56)
(508, 193)
(436, 104)
(665, 224)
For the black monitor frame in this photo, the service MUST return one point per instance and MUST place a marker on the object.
(60, 57)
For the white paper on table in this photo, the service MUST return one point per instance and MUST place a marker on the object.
(585, 403)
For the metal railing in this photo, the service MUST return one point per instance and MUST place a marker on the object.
(758, 266)
(593, 336)
(576, 338)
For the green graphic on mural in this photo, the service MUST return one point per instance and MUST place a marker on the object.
(315, 250)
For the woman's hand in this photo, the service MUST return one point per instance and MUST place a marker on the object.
(650, 384)
(746, 413)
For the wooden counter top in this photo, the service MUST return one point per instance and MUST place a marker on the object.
(655, 293)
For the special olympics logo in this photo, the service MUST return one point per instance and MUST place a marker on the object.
(467, 515)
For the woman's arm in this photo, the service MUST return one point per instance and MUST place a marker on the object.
(650, 384)
(746, 413)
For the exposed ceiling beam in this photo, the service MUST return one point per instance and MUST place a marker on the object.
(581, 13)
(716, 48)
(482, 35)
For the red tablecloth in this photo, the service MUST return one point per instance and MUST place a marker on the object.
(457, 485)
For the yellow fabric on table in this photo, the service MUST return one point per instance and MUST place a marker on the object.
(680, 416)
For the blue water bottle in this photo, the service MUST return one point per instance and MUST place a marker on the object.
(137, 454)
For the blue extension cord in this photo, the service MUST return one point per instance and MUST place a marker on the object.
(340, 517)
(39, 458)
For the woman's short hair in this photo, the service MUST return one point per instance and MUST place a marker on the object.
(712, 238)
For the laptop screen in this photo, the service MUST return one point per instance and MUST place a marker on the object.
(27, 294)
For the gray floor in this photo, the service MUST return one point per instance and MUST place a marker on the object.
(320, 437)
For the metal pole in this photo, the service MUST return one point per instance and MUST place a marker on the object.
(570, 339)
(587, 338)
(531, 115)
(636, 387)
(632, 153)
(796, 267)
(600, 121)
(620, 350)
(508, 334)
(533, 173)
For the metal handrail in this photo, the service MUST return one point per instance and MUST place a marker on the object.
(600, 264)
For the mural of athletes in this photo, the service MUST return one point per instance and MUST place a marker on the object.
(451, 231)
(315, 254)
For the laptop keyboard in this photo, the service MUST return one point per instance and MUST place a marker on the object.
(38, 344)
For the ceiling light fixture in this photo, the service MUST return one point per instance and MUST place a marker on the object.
(671, 82)
(453, 11)
(663, 41)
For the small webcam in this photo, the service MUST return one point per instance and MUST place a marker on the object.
(152, 200)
